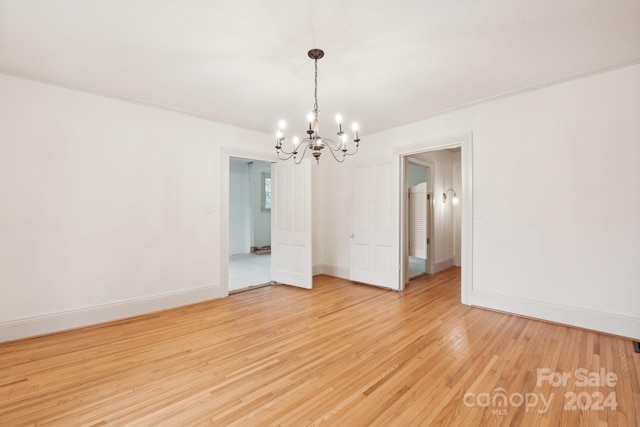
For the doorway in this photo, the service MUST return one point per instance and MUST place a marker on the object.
(291, 243)
(450, 253)
(443, 220)
(226, 154)
(249, 223)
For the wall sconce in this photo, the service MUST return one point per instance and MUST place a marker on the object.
(455, 196)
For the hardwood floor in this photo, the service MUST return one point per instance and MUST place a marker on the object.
(342, 354)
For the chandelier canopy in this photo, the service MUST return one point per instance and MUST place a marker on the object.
(313, 141)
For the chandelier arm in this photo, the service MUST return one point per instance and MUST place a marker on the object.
(354, 152)
(288, 156)
(332, 144)
(282, 150)
(306, 146)
(333, 153)
(289, 153)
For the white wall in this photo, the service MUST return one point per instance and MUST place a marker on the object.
(108, 208)
(111, 208)
(239, 206)
(556, 190)
(416, 174)
(332, 206)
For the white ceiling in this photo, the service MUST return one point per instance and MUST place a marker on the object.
(245, 62)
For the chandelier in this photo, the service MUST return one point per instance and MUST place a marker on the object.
(314, 142)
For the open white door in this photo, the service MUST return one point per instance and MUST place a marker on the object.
(372, 257)
(418, 211)
(291, 261)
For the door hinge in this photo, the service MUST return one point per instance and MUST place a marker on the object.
(428, 241)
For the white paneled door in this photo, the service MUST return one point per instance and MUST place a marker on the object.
(372, 258)
(291, 261)
(418, 209)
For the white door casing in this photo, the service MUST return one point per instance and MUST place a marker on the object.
(291, 257)
(372, 258)
(465, 141)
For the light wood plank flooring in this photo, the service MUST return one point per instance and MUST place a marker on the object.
(342, 354)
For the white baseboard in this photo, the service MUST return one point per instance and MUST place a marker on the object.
(335, 271)
(623, 326)
(598, 321)
(318, 269)
(38, 325)
(443, 265)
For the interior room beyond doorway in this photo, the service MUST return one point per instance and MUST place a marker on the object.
(440, 171)
(249, 223)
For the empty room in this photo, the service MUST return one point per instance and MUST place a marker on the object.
(347, 213)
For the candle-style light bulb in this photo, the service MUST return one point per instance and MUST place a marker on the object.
(282, 124)
(296, 142)
(355, 129)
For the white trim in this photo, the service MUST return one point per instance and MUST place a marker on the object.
(56, 322)
(129, 100)
(570, 77)
(624, 326)
(465, 142)
(225, 154)
(317, 269)
(531, 88)
(335, 271)
(419, 162)
(443, 264)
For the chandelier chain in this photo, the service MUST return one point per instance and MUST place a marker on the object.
(315, 94)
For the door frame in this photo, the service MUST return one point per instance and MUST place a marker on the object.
(225, 154)
(464, 141)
